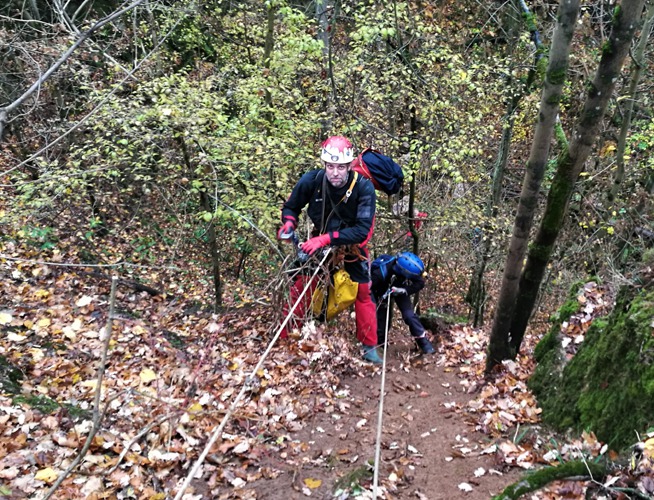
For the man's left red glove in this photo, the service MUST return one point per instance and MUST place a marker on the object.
(310, 246)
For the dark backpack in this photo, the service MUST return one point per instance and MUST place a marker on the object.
(385, 174)
(382, 267)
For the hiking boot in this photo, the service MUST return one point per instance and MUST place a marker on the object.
(424, 345)
(370, 354)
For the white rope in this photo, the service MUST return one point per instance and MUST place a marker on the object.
(375, 479)
(218, 430)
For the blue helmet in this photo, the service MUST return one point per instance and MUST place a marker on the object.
(408, 265)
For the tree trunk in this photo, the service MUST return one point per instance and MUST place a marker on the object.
(324, 31)
(267, 54)
(476, 295)
(500, 343)
(631, 98)
(571, 164)
(212, 240)
(214, 252)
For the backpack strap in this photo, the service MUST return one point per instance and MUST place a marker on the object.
(384, 268)
(323, 222)
(362, 165)
(348, 193)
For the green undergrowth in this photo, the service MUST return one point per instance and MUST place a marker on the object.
(352, 480)
(11, 378)
(47, 406)
(608, 386)
(547, 354)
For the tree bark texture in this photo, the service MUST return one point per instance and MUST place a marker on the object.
(631, 98)
(500, 344)
(476, 295)
(571, 163)
(326, 29)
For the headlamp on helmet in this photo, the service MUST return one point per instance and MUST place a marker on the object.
(337, 149)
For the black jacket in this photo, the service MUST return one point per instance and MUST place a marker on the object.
(381, 284)
(351, 222)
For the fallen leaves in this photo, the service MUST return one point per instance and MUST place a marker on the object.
(465, 487)
(648, 448)
(147, 375)
(5, 318)
(84, 301)
(53, 334)
(47, 475)
(312, 483)
(147, 378)
(506, 403)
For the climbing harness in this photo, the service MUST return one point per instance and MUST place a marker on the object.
(217, 432)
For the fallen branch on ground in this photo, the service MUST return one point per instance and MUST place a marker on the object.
(536, 480)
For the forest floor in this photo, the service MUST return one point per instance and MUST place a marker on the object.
(306, 425)
(429, 447)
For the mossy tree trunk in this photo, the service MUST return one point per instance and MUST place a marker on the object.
(476, 295)
(570, 165)
(500, 339)
(608, 386)
(536, 480)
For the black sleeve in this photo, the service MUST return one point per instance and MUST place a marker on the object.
(300, 196)
(414, 285)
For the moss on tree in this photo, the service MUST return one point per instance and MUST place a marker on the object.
(536, 480)
(557, 76)
(608, 386)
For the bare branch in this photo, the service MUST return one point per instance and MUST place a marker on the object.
(98, 415)
(3, 113)
(36, 85)
(142, 433)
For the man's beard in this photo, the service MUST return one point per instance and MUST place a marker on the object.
(338, 181)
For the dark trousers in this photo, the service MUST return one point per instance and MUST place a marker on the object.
(408, 316)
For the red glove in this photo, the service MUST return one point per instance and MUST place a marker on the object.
(310, 246)
(285, 229)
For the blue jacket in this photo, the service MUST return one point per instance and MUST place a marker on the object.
(347, 222)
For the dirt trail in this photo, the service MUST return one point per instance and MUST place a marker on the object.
(427, 449)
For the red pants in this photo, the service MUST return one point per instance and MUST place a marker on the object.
(364, 309)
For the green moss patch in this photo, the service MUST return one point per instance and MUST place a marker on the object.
(10, 377)
(608, 386)
(46, 406)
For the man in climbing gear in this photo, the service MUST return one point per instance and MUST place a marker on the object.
(396, 278)
(341, 206)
